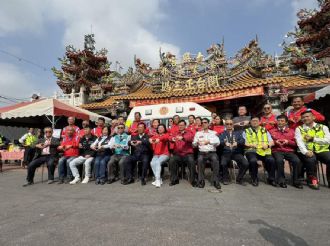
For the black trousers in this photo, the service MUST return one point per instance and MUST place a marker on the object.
(310, 163)
(294, 161)
(268, 161)
(130, 164)
(242, 163)
(176, 160)
(203, 157)
(33, 165)
(28, 154)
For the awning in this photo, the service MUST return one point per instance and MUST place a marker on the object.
(41, 111)
(317, 94)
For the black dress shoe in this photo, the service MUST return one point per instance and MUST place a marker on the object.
(102, 182)
(174, 182)
(128, 181)
(272, 183)
(27, 184)
(143, 182)
(283, 185)
(298, 185)
(240, 182)
(201, 184)
(61, 181)
(217, 185)
(110, 181)
(97, 182)
(255, 183)
(194, 183)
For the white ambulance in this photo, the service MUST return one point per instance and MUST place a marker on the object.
(167, 111)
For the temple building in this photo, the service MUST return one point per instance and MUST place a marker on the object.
(213, 80)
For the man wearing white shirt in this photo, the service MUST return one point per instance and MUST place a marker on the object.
(207, 141)
(313, 140)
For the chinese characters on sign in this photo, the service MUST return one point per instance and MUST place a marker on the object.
(201, 84)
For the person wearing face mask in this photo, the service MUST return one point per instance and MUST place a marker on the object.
(284, 149)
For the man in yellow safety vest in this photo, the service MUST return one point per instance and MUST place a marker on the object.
(28, 140)
(313, 140)
(258, 143)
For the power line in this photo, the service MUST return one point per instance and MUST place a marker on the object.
(9, 99)
(21, 59)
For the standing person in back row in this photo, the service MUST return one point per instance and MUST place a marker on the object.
(268, 119)
(71, 123)
(242, 121)
(313, 140)
(97, 131)
(28, 140)
(294, 115)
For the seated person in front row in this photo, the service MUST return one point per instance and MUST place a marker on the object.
(258, 143)
(207, 141)
(120, 147)
(141, 150)
(159, 143)
(233, 144)
(70, 148)
(313, 141)
(85, 158)
(46, 152)
(284, 149)
(103, 152)
(182, 154)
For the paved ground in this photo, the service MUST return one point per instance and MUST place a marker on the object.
(133, 215)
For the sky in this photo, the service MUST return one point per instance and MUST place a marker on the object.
(39, 30)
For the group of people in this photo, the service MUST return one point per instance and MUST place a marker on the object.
(120, 151)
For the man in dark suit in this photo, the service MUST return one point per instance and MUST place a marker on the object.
(46, 152)
(141, 150)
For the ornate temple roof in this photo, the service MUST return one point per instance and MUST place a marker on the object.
(244, 86)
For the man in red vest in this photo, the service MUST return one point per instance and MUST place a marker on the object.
(294, 115)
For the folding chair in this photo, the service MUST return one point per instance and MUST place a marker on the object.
(231, 167)
(319, 172)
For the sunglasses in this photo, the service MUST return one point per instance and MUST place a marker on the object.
(120, 127)
(48, 131)
(266, 107)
